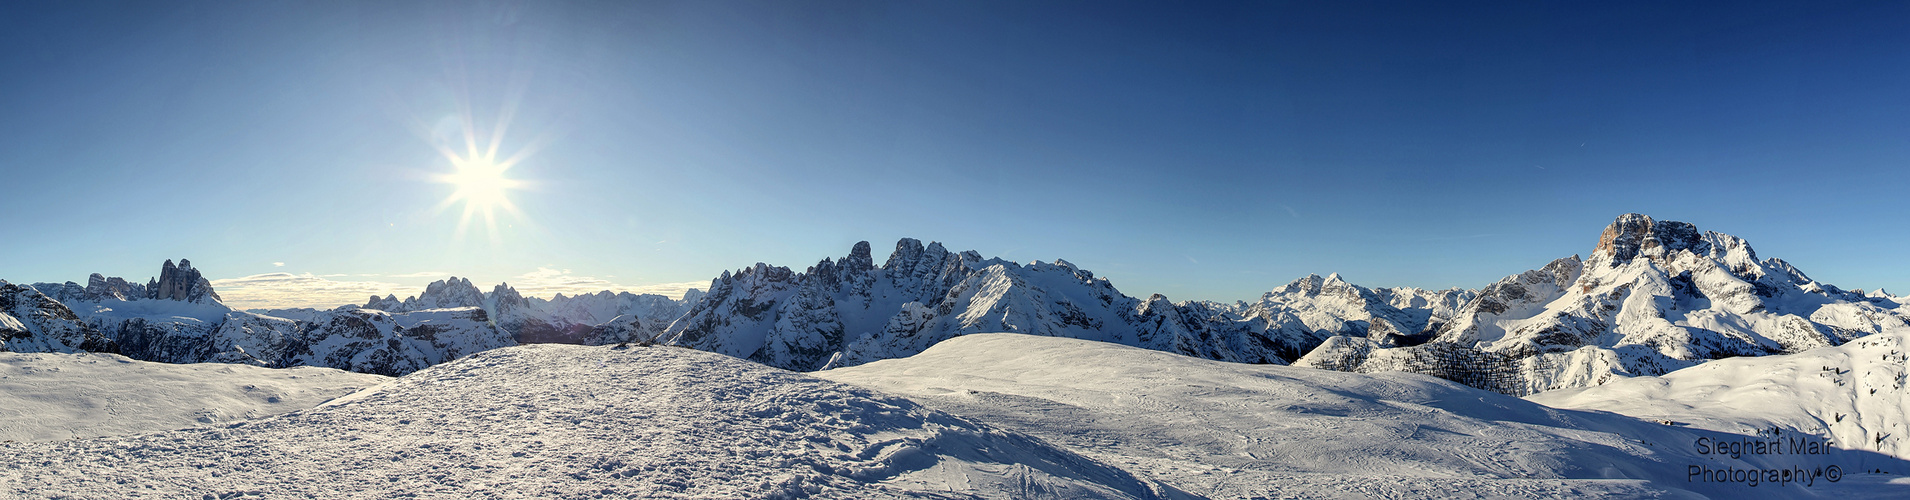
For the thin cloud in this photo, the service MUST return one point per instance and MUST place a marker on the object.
(671, 290)
(425, 274)
(1291, 211)
(287, 290)
(547, 282)
(284, 290)
(278, 264)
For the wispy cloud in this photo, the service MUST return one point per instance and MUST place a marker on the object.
(425, 274)
(671, 290)
(278, 264)
(276, 290)
(281, 290)
(1291, 211)
(547, 282)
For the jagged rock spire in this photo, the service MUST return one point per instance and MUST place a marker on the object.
(182, 283)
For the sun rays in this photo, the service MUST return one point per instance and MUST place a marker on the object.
(479, 180)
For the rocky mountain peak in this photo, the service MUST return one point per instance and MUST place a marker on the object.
(503, 294)
(99, 287)
(30, 321)
(451, 292)
(859, 260)
(1565, 271)
(1308, 285)
(182, 283)
(1635, 235)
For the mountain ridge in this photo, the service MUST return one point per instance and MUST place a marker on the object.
(1652, 297)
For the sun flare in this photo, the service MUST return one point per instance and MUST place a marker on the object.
(479, 182)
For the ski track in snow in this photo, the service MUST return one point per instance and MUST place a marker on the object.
(551, 421)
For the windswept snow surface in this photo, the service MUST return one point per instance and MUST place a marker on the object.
(1853, 393)
(53, 396)
(562, 421)
(1226, 430)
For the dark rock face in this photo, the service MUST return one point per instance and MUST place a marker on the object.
(181, 283)
(99, 287)
(1633, 235)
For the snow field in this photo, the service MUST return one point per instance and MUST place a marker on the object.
(1853, 394)
(47, 397)
(1226, 430)
(559, 421)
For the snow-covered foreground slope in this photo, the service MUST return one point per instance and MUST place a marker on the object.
(1853, 393)
(560, 421)
(1227, 430)
(46, 397)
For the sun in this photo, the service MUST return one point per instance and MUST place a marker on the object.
(479, 182)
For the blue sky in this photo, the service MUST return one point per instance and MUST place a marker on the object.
(1203, 151)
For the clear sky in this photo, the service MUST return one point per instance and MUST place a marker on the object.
(1199, 150)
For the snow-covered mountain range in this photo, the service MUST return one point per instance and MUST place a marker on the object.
(178, 318)
(1655, 296)
(32, 322)
(589, 319)
(850, 311)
